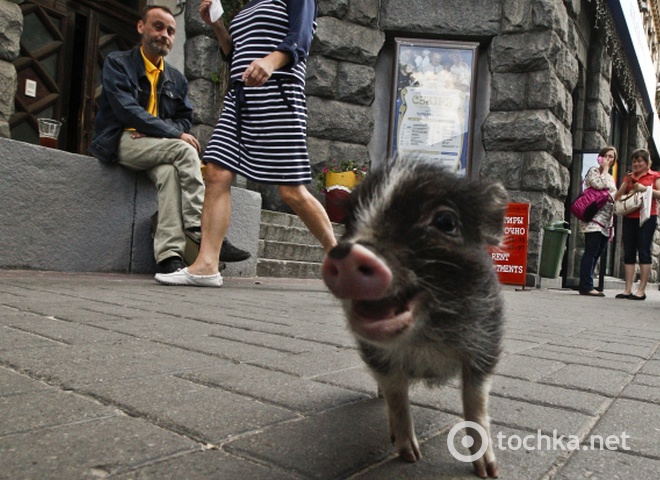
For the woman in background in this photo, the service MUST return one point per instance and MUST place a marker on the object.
(638, 238)
(597, 231)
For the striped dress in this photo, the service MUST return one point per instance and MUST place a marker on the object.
(261, 133)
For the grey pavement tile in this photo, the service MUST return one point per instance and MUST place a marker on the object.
(577, 342)
(330, 335)
(437, 462)
(14, 383)
(63, 331)
(652, 367)
(582, 358)
(512, 346)
(288, 391)
(205, 465)
(598, 380)
(337, 442)
(650, 380)
(92, 449)
(312, 364)
(642, 392)
(641, 351)
(529, 416)
(71, 366)
(557, 329)
(552, 396)
(584, 352)
(608, 465)
(621, 339)
(240, 352)
(9, 315)
(637, 419)
(526, 336)
(16, 340)
(205, 413)
(283, 342)
(158, 328)
(49, 408)
(649, 329)
(527, 368)
(355, 378)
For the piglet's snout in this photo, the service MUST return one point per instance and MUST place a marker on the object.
(352, 271)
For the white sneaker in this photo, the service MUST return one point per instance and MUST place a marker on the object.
(183, 278)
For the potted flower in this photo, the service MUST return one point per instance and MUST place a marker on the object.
(336, 181)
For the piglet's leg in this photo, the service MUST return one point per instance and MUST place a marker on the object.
(402, 431)
(475, 408)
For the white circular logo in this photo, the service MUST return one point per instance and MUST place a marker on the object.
(467, 441)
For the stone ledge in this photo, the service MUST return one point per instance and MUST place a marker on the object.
(66, 212)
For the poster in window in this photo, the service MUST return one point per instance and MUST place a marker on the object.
(432, 101)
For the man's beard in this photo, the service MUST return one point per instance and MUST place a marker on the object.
(160, 48)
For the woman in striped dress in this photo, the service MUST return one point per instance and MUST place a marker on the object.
(261, 133)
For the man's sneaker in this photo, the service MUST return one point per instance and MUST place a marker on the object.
(228, 252)
(170, 265)
(184, 278)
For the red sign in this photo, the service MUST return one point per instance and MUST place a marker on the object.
(510, 258)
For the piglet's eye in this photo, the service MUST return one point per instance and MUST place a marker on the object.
(445, 222)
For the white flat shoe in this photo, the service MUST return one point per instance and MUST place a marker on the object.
(183, 278)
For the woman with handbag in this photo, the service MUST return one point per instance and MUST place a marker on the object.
(638, 236)
(597, 230)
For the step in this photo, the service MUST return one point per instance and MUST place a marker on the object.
(283, 233)
(289, 220)
(288, 269)
(290, 251)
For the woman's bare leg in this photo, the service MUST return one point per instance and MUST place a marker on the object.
(310, 211)
(216, 214)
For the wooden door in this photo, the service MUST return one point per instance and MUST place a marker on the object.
(63, 47)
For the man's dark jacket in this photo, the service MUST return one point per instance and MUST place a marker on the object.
(124, 99)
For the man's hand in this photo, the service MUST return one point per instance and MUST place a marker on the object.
(188, 138)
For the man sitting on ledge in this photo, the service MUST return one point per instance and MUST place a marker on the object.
(143, 123)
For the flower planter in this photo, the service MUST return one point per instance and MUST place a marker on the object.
(341, 179)
(338, 186)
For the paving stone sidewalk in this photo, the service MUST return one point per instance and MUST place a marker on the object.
(114, 376)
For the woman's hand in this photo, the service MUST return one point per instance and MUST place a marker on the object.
(257, 73)
(204, 11)
(261, 69)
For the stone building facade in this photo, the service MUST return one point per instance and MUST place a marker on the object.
(553, 80)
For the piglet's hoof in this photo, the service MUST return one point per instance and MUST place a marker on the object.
(486, 470)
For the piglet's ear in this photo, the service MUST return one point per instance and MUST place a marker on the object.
(494, 200)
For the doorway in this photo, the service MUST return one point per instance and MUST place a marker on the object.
(63, 47)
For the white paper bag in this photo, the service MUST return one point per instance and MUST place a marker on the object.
(645, 211)
(216, 10)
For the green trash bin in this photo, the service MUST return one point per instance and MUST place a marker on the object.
(552, 250)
